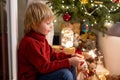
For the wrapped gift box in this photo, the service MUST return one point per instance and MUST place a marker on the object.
(58, 48)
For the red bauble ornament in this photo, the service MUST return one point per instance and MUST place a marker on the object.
(66, 17)
(116, 1)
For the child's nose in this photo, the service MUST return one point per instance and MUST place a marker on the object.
(51, 26)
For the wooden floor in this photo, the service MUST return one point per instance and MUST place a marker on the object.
(113, 77)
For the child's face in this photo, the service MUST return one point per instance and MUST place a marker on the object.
(46, 26)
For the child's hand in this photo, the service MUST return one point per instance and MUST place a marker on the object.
(78, 55)
(74, 61)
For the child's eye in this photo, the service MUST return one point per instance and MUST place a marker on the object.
(48, 22)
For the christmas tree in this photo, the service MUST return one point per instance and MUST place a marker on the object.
(95, 13)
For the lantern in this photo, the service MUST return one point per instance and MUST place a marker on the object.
(67, 37)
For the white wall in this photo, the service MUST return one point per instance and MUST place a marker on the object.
(21, 10)
(110, 47)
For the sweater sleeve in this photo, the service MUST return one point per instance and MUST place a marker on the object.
(41, 62)
(58, 56)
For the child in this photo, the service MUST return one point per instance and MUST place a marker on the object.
(36, 59)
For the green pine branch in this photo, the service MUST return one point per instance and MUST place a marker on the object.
(94, 13)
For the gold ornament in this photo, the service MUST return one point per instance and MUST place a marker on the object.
(102, 77)
(98, 2)
(84, 1)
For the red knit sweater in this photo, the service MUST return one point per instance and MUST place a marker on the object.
(35, 56)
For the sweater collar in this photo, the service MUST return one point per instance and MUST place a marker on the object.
(36, 35)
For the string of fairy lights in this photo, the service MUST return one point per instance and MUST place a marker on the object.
(93, 3)
(96, 4)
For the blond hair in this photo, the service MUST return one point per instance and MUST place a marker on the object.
(35, 13)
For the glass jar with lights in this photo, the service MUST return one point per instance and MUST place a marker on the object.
(67, 37)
